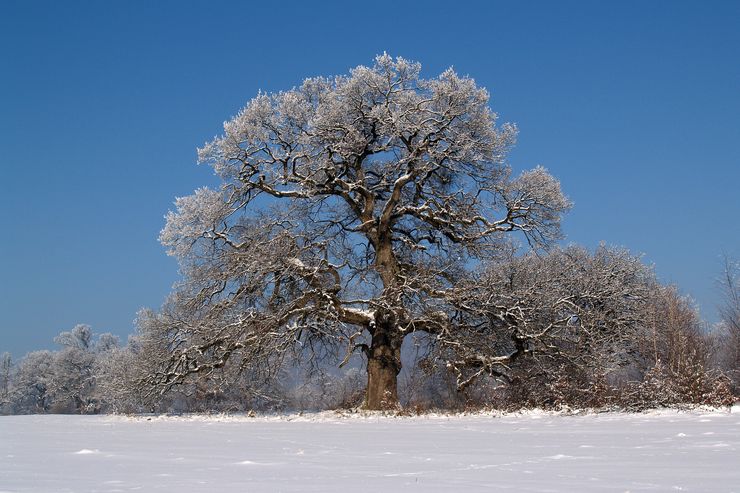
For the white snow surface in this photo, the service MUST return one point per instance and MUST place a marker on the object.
(327, 452)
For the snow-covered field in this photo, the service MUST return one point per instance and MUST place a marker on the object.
(664, 451)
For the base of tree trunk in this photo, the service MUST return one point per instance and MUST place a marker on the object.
(383, 367)
(382, 386)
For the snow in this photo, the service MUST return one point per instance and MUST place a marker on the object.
(326, 452)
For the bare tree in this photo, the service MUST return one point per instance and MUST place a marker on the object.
(6, 371)
(730, 319)
(351, 213)
(676, 335)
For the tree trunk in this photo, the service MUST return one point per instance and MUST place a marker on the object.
(383, 367)
(384, 356)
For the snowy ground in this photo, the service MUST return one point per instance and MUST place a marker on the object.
(665, 451)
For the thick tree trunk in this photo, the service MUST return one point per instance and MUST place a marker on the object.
(383, 367)
(384, 356)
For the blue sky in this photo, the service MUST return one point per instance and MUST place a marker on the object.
(634, 106)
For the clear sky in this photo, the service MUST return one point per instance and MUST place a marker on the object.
(634, 106)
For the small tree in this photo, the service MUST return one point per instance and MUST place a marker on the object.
(350, 212)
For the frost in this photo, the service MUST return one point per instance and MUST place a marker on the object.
(196, 215)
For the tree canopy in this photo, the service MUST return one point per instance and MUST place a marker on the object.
(353, 211)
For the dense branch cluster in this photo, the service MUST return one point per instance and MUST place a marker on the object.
(568, 304)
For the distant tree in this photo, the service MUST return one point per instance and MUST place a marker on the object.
(32, 389)
(677, 337)
(76, 368)
(730, 319)
(73, 380)
(117, 374)
(107, 342)
(80, 337)
(351, 210)
(6, 369)
(676, 356)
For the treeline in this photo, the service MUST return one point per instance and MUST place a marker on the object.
(63, 381)
(673, 359)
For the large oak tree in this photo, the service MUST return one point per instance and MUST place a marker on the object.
(354, 211)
